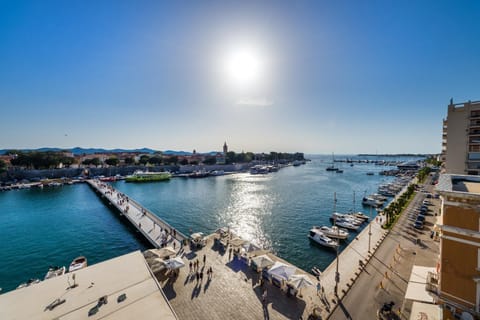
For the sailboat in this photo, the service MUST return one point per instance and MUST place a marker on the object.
(332, 167)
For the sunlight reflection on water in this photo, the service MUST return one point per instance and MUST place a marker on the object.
(250, 202)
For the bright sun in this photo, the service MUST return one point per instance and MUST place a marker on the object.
(243, 67)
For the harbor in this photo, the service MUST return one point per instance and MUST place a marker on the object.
(229, 254)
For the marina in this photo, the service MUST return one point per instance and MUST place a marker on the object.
(143, 224)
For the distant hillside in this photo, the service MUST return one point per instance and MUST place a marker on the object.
(79, 151)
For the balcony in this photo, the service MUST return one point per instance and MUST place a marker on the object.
(475, 114)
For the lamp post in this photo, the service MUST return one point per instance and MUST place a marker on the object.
(337, 274)
(370, 229)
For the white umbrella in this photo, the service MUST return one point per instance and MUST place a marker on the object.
(300, 281)
(175, 263)
(197, 236)
(281, 270)
(250, 247)
(237, 242)
(262, 261)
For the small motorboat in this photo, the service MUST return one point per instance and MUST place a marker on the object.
(333, 232)
(55, 272)
(28, 283)
(77, 264)
(319, 237)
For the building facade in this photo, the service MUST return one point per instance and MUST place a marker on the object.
(461, 138)
(459, 262)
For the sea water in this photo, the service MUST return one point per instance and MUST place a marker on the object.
(39, 228)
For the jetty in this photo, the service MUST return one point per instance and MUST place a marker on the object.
(155, 230)
(119, 288)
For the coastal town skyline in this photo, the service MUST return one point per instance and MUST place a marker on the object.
(311, 77)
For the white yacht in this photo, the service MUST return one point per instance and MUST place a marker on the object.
(333, 232)
(371, 202)
(349, 218)
(320, 238)
(359, 215)
(346, 224)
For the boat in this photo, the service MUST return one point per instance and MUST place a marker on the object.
(346, 224)
(332, 167)
(371, 202)
(199, 174)
(28, 283)
(77, 264)
(297, 163)
(316, 272)
(370, 173)
(333, 232)
(144, 176)
(360, 215)
(217, 173)
(349, 218)
(55, 272)
(339, 171)
(319, 237)
(259, 169)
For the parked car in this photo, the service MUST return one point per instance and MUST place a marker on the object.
(418, 225)
(421, 218)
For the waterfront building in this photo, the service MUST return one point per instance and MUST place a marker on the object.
(459, 262)
(461, 138)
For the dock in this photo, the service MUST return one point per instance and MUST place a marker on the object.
(155, 230)
(119, 288)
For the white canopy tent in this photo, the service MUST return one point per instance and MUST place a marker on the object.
(281, 271)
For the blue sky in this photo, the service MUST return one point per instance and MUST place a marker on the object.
(336, 76)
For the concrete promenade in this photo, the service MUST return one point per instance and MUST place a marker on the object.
(158, 232)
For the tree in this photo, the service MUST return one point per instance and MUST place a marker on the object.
(230, 157)
(144, 159)
(210, 160)
(129, 160)
(113, 161)
(184, 162)
(156, 160)
(95, 161)
(3, 166)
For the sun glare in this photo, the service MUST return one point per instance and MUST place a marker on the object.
(243, 67)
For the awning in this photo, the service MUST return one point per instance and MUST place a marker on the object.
(425, 311)
(416, 289)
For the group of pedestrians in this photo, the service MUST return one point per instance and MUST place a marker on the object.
(196, 272)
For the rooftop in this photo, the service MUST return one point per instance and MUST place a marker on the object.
(127, 274)
(465, 184)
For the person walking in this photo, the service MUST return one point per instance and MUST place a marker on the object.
(190, 267)
(204, 259)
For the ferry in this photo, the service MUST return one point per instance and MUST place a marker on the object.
(319, 237)
(142, 176)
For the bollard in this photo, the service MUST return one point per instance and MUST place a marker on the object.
(381, 285)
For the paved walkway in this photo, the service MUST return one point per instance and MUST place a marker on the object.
(155, 230)
(234, 291)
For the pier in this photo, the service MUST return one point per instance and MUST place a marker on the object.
(155, 230)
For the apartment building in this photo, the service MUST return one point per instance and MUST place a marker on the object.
(461, 138)
(459, 261)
